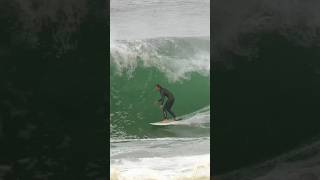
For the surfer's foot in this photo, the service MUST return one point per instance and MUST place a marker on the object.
(165, 120)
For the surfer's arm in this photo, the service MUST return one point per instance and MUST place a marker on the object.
(161, 100)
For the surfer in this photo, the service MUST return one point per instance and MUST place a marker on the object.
(166, 108)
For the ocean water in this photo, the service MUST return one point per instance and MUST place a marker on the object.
(165, 42)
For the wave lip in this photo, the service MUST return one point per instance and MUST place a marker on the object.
(175, 57)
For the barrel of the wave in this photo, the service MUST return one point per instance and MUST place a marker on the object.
(180, 64)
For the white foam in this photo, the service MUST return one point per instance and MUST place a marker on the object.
(198, 118)
(158, 139)
(176, 58)
(162, 158)
(183, 167)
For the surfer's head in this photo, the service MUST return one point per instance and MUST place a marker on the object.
(158, 87)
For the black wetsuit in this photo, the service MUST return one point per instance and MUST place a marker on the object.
(170, 100)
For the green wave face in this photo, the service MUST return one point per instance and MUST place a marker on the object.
(178, 64)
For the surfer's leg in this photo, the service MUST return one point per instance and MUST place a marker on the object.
(168, 108)
(164, 112)
(172, 113)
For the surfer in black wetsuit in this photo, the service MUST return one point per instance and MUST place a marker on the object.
(166, 108)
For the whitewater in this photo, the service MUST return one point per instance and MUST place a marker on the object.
(166, 42)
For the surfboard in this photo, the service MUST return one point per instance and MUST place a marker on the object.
(165, 123)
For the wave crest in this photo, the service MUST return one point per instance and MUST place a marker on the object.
(177, 58)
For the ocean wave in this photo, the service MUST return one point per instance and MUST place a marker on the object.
(180, 64)
(175, 57)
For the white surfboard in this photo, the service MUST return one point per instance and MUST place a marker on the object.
(167, 123)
